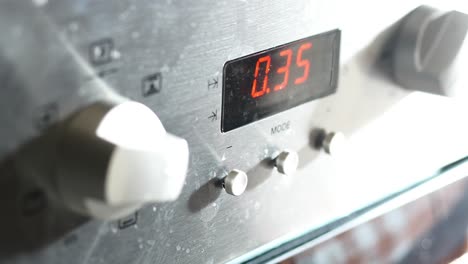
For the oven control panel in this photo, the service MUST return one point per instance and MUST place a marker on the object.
(213, 132)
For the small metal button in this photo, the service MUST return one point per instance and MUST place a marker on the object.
(333, 143)
(287, 161)
(235, 182)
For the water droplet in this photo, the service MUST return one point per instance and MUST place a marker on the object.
(115, 54)
(154, 208)
(257, 205)
(40, 2)
(73, 27)
(135, 35)
(178, 248)
(187, 250)
(17, 31)
(123, 16)
(165, 68)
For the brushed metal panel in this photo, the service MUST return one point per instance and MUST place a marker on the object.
(188, 43)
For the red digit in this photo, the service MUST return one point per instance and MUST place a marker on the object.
(255, 93)
(284, 69)
(303, 63)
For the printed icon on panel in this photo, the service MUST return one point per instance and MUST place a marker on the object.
(151, 84)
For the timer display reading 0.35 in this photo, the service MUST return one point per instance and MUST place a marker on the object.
(265, 83)
(287, 54)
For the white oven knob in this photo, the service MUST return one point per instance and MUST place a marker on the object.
(286, 162)
(428, 51)
(334, 143)
(114, 158)
(235, 182)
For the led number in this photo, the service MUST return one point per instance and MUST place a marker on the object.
(303, 63)
(284, 69)
(254, 92)
(288, 53)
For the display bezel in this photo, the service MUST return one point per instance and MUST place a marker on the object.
(333, 36)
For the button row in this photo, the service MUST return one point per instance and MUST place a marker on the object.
(286, 163)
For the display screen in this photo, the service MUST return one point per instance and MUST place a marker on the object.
(267, 82)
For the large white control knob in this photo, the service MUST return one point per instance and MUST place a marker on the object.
(428, 51)
(114, 158)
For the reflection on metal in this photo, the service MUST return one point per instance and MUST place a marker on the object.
(451, 174)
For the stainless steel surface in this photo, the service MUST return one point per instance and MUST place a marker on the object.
(235, 182)
(286, 162)
(169, 55)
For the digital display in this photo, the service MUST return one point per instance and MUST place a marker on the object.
(270, 81)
